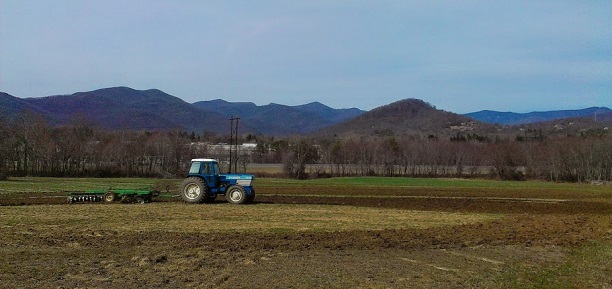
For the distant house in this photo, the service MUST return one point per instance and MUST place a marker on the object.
(465, 126)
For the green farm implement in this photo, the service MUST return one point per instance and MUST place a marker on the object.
(111, 195)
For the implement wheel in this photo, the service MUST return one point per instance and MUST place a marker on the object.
(236, 195)
(110, 197)
(194, 191)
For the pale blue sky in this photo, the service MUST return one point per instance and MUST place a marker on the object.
(460, 56)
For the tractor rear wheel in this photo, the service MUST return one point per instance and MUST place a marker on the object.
(236, 195)
(194, 191)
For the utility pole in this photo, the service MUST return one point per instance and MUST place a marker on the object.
(236, 146)
(233, 143)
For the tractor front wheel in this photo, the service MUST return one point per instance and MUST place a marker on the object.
(236, 195)
(193, 191)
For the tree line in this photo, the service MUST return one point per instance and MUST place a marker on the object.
(574, 159)
(29, 146)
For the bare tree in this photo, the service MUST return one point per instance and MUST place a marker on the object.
(5, 145)
(300, 153)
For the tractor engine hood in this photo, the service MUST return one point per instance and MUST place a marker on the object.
(240, 179)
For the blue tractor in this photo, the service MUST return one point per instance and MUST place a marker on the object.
(205, 182)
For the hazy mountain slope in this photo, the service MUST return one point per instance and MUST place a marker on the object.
(285, 120)
(409, 116)
(277, 119)
(328, 113)
(126, 108)
(569, 126)
(228, 109)
(512, 118)
(11, 106)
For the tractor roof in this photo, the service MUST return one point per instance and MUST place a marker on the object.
(204, 160)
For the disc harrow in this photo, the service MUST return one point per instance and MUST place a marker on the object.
(113, 195)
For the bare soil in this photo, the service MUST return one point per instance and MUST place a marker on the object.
(549, 236)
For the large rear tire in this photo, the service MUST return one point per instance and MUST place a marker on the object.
(194, 191)
(236, 195)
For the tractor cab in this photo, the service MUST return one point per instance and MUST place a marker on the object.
(207, 169)
(204, 182)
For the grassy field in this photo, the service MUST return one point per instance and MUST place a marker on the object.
(264, 218)
(54, 185)
(31, 184)
(326, 233)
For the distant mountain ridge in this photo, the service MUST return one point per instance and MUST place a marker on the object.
(153, 109)
(513, 118)
(280, 119)
(126, 108)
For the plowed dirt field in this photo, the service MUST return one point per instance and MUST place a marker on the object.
(321, 237)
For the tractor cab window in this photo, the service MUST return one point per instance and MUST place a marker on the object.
(206, 169)
(195, 168)
(216, 169)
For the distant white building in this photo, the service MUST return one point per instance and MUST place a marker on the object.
(223, 148)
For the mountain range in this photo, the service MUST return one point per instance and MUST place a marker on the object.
(513, 118)
(127, 108)
(277, 119)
